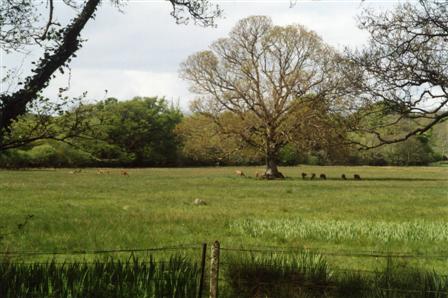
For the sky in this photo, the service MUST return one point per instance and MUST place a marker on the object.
(137, 51)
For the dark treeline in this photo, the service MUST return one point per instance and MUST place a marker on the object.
(148, 131)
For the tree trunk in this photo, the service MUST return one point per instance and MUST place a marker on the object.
(271, 167)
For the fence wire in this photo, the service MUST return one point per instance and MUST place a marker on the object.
(101, 251)
(339, 253)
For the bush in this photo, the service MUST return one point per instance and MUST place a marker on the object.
(14, 159)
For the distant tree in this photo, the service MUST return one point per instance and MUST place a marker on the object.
(259, 75)
(439, 140)
(403, 72)
(202, 142)
(21, 25)
(142, 129)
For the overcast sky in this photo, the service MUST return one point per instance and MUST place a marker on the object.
(137, 52)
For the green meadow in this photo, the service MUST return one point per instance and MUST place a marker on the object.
(392, 209)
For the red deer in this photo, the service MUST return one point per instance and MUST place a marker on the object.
(239, 173)
(313, 175)
(357, 177)
(303, 176)
(343, 177)
(323, 177)
(124, 173)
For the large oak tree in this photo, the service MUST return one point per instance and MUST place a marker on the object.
(261, 74)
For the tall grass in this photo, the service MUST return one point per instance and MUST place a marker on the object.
(277, 275)
(309, 275)
(340, 230)
(177, 277)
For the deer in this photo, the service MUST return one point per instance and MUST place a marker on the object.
(357, 177)
(303, 176)
(343, 177)
(124, 173)
(313, 176)
(323, 177)
(239, 173)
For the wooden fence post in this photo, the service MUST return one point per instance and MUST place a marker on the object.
(214, 270)
(201, 281)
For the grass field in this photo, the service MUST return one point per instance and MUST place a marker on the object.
(392, 208)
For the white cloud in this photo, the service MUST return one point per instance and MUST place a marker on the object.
(122, 84)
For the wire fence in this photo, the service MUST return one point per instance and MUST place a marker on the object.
(337, 253)
(264, 271)
(101, 251)
(241, 275)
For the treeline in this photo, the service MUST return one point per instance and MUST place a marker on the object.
(149, 131)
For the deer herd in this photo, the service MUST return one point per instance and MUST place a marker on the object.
(258, 175)
(102, 172)
(312, 176)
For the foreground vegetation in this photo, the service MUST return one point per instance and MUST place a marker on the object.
(178, 277)
(310, 275)
(303, 274)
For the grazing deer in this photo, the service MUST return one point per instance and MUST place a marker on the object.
(239, 173)
(323, 177)
(124, 173)
(303, 176)
(343, 177)
(357, 177)
(313, 176)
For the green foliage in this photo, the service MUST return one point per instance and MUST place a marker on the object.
(202, 142)
(139, 131)
(150, 132)
(177, 277)
(289, 156)
(45, 154)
